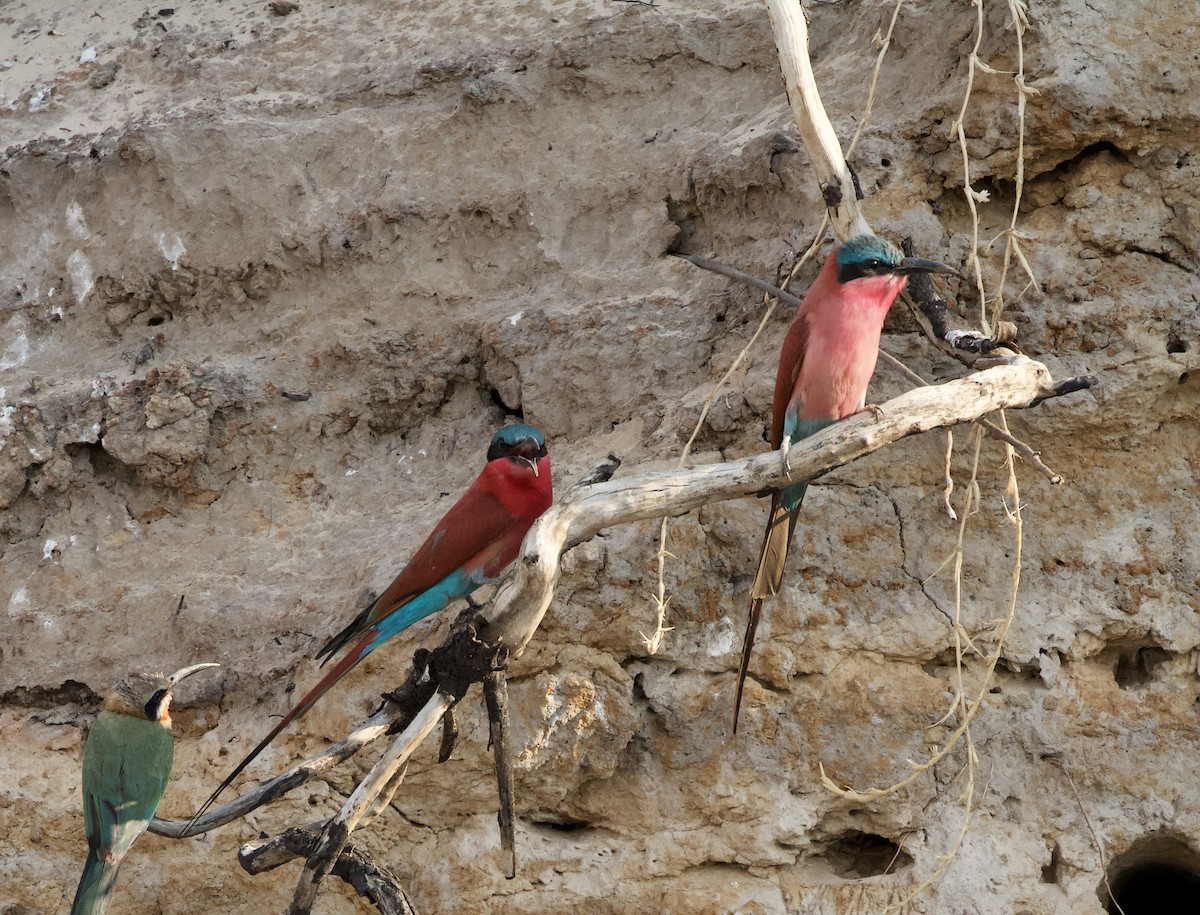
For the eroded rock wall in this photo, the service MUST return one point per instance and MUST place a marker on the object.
(428, 217)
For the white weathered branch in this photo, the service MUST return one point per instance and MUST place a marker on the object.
(367, 732)
(337, 831)
(522, 600)
(790, 26)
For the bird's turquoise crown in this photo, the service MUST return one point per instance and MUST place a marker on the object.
(518, 437)
(510, 435)
(867, 255)
(870, 255)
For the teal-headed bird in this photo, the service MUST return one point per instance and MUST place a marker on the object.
(827, 360)
(469, 547)
(126, 763)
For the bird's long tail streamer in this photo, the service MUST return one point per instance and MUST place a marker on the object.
(95, 886)
(343, 667)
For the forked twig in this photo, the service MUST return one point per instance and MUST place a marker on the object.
(354, 865)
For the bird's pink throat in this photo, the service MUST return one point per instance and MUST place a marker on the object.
(875, 292)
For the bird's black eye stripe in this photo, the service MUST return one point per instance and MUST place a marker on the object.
(153, 708)
(872, 266)
(526, 448)
(527, 454)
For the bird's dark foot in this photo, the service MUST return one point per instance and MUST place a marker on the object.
(875, 410)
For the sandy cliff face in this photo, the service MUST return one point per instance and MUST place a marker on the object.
(431, 216)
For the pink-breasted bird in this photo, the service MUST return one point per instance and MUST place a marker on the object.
(469, 547)
(827, 360)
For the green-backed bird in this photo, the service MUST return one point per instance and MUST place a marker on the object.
(827, 360)
(126, 764)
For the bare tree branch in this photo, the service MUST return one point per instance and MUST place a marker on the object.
(357, 868)
(838, 188)
(927, 303)
(401, 706)
(336, 834)
(522, 599)
(495, 692)
(372, 729)
(524, 596)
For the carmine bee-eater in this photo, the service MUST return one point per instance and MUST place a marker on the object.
(126, 763)
(469, 547)
(827, 360)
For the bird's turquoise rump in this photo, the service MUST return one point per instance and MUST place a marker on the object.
(471, 545)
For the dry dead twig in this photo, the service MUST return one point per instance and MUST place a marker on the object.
(825, 152)
(354, 865)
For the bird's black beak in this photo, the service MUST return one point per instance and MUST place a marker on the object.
(188, 671)
(529, 451)
(911, 265)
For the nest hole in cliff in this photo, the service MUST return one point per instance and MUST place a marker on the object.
(104, 466)
(516, 412)
(1136, 666)
(557, 823)
(693, 236)
(854, 855)
(1157, 874)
